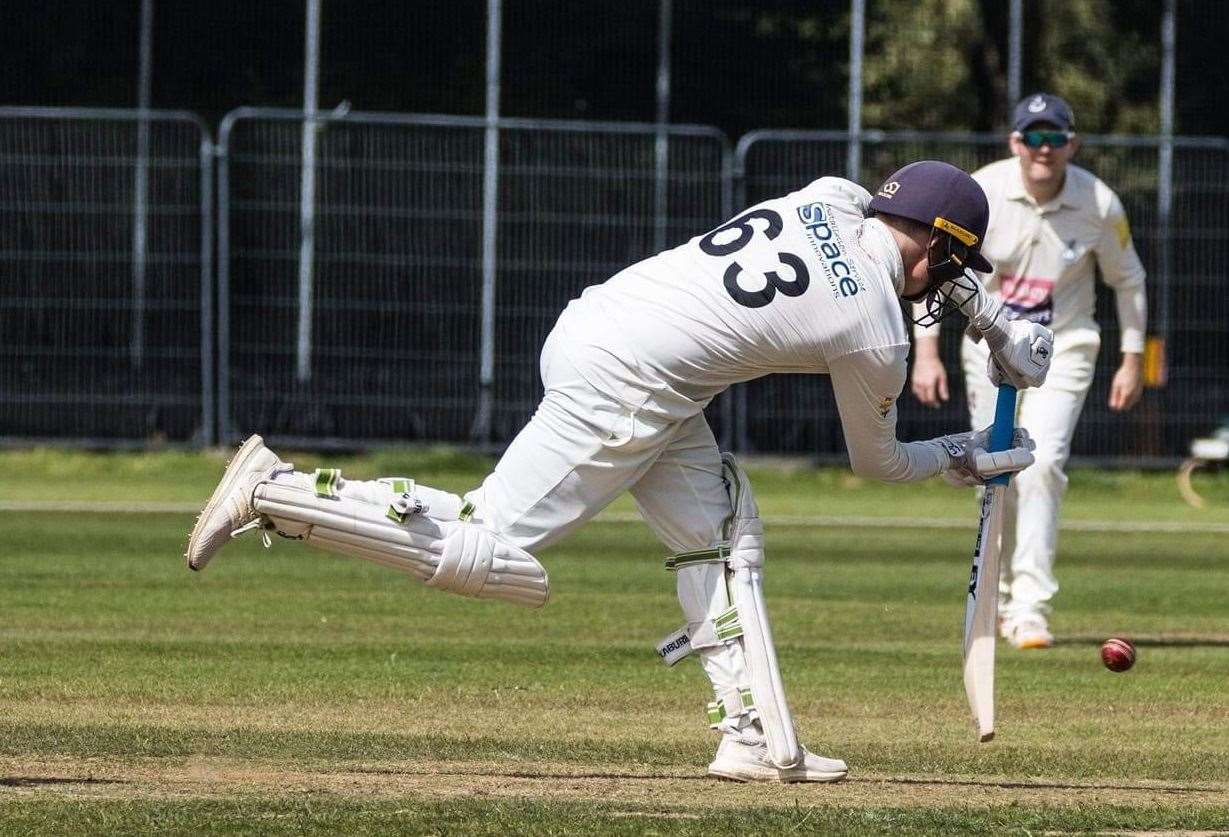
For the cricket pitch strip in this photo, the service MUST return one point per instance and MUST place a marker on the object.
(672, 789)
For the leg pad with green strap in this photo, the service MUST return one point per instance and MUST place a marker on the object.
(421, 531)
(721, 591)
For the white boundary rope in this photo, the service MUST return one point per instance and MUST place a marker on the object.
(826, 521)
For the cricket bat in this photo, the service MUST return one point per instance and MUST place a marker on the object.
(982, 605)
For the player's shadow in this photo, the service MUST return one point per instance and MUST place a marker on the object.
(39, 781)
(1152, 641)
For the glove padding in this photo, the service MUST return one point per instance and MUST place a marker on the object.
(1020, 350)
(1023, 356)
(972, 464)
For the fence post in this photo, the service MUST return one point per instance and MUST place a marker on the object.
(662, 140)
(736, 412)
(307, 189)
(223, 318)
(1165, 163)
(140, 187)
(1014, 53)
(481, 430)
(208, 416)
(857, 35)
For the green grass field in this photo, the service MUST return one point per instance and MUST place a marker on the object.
(286, 691)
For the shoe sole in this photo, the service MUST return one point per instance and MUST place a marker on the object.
(233, 469)
(1029, 644)
(816, 778)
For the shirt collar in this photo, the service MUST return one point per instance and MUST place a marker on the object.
(878, 243)
(1066, 197)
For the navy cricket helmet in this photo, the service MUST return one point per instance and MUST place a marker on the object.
(952, 204)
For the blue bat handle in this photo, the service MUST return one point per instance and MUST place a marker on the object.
(1004, 424)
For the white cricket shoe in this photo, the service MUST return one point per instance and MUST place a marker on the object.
(1027, 631)
(230, 507)
(743, 757)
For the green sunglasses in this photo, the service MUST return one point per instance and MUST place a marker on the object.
(1054, 139)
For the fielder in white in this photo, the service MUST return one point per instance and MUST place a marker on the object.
(1052, 226)
(810, 282)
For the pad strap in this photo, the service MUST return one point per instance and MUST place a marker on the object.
(404, 502)
(326, 481)
(713, 555)
(730, 704)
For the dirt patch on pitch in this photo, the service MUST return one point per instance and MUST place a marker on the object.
(632, 785)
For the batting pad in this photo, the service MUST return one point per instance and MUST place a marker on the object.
(746, 562)
(453, 555)
(767, 689)
(722, 595)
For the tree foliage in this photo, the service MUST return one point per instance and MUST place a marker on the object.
(942, 64)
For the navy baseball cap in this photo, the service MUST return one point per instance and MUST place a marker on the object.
(1043, 107)
(942, 196)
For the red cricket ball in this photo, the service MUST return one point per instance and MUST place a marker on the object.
(1118, 654)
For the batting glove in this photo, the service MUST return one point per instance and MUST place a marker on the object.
(1020, 351)
(1022, 357)
(971, 464)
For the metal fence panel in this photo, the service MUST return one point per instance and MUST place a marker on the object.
(1198, 346)
(1186, 305)
(398, 261)
(108, 336)
(105, 273)
(576, 207)
(397, 276)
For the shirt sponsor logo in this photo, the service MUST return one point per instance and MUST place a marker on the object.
(1029, 298)
(826, 241)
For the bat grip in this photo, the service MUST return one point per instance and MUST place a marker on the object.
(1004, 425)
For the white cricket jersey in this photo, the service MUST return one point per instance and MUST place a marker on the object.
(802, 283)
(1045, 256)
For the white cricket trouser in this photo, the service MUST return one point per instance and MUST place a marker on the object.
(583, 448)
(1049, 413)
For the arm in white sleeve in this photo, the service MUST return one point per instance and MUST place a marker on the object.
(1122, 270)
(1132, 317)
(866, 384)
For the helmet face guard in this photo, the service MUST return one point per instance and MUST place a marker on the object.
(951, 284)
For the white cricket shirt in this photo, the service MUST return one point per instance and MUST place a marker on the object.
(1045, 256)
(802, 283)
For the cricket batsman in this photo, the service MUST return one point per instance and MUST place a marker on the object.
(1052, 226)
(809, 282)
